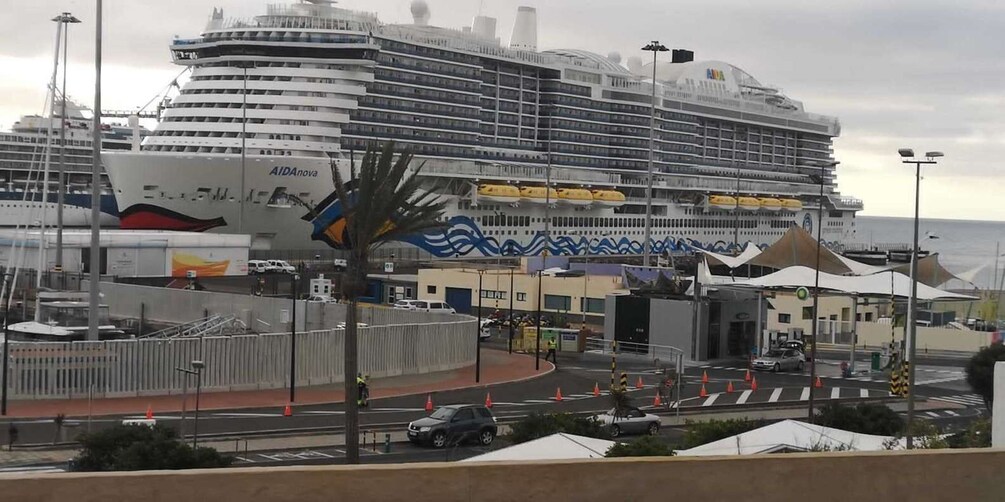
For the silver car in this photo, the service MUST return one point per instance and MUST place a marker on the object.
(780, 360)
(630, 421)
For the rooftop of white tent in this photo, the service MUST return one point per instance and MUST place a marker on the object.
(789, 436)
(558, 446)
(881, 285)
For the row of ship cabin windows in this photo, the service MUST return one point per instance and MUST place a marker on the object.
(615, 222)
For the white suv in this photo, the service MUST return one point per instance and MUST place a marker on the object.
(281, 266)
(406, 304)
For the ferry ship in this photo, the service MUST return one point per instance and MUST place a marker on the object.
(22, 163)
(277, 101)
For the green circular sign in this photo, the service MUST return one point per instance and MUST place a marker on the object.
(802, 293)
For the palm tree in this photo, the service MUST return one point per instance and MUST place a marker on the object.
(380, 203)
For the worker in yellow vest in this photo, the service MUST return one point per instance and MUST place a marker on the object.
(551, 352)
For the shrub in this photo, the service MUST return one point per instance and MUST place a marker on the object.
(538, 425)
(699, 433)
(863, 418)
(645, 446)
(981, 371)
(141, 448)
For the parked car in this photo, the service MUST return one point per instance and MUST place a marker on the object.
(257, 267)
(405, 304)
(454, 424)
(441, 307)
(320, 299)
(341, 325)
(780, 360)
(796, 345)
(485, 333)
(281, 266)
(630, 421)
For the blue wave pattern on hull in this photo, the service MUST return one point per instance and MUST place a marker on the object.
(462, 237)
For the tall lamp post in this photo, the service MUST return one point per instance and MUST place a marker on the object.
(196, 370)
(65, 19)
(655, 47)
(907, 157)
(478, 330)
(819, 178)
(293, 343)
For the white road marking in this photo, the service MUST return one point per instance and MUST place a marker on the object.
(836, 393)
(744, 396)
(775, 394)
(246, 415)
(540, 401)
(952, 413)
(394, 409)
(321, 412)
(805, 396)
(863, 393)
(932, 414)
(711, 399)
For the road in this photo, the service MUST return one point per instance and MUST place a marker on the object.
(949, 398)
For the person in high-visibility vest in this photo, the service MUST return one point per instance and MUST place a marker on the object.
(361, 398)
(551, 352)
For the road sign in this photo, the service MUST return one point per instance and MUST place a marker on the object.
(388, 267)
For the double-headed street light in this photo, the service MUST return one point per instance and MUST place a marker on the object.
(818, 178)
(907, 157)
(655, 47)
(197, 367)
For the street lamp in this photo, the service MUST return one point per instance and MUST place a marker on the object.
(65, 19)
(478, 330)
(7, 289)
(819, 178)
(655, 47)
(293, 343)
(196, 370)
(907, 157)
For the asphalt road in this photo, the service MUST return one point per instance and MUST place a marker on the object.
(575, 379)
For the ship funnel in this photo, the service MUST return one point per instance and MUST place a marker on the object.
(420, 12)
(134, 126)
(635, 65)
(525, 30)
(216, 20)
(484, 27)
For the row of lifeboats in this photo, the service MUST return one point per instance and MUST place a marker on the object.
(509, 194)
(730, 203)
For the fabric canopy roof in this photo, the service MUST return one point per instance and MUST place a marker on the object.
(798, 247)
(790, 435)
(930, 271)
(559, 446)
(884, 284)
(749, 253)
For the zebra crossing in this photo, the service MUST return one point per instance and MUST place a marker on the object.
(926, 376)
(781, 395)
(964, 399)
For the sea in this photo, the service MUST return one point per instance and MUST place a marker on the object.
(963, 245)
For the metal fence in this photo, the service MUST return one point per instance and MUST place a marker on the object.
(139, 367)
(660, 355)
(835, 332)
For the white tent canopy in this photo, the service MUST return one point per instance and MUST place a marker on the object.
(791, 436)
(749, 253)
(558, 446)
(884, 284)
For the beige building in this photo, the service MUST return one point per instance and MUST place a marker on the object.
(569, 296)
(791, 312)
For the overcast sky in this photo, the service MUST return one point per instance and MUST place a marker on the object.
(925, 74)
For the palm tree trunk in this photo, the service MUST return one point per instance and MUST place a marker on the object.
(351, 357)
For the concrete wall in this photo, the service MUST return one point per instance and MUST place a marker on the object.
(260, 314)
(788, 304)
(670, 323)
(877, 335)
(970, 475)
(998, 408)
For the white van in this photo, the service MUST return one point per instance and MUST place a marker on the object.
(281, 267)
(257, 267)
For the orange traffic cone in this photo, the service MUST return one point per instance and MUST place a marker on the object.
(729, 388)
(596, 390)
(150, 413)
(488, 400)
(656, 401)
(287, 411)
(704, 377)
(429, 402)
(747, 377)
(558, 394)
(753, 383)
(638, 383)
(818, 384)
(704, 393)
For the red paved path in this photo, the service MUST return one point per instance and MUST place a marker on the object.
(497, 367)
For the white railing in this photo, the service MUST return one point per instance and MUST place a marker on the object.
(835, 332)
(660, 355)
(144, 367)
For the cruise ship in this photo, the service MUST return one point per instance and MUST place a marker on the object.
(275, 102)
(22, 164)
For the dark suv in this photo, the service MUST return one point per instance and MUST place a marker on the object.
(454, 424)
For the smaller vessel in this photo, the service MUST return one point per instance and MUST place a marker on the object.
(609, 198)
(749, 203)
(792, 205)
(770, 204)
(575, 196)
(538, 195)
(722, 202)
(507, 194)
(63, 317)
